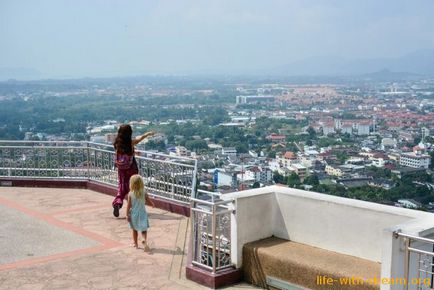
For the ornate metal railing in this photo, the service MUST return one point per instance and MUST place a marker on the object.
(419, 262)
(165, 176)
(211, 231)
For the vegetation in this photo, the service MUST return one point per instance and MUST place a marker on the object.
(405, 188)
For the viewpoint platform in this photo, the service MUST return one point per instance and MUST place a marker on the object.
(53, 238)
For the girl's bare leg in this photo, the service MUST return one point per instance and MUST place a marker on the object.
(135, 236)
(145, 241)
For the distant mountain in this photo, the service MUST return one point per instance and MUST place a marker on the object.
(419, 63)
(386, 75)
(19, 73)
(315, 69)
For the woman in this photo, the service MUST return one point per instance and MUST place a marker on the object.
(125, 162)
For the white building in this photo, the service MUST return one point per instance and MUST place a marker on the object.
(378, 162)
(274, 165)
(229, 151)
(300, 170)
(254, 99)
(287, 159)
(409, 203)
(181, 151)
(223, 178)
(387, 143)
(338, 124)
(97, 138)
(28, 135)
(355, 160)
(266, 175)
(240, 119)
(328, 129)
(110, 137)
(308, 158)
(215, 146)
(259, 174)
(415, 160)
(363, 129)
(334, 171)
(347, 129)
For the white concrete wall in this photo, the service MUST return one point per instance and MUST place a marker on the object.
(346, 226)
(251, 222)
(336, 226)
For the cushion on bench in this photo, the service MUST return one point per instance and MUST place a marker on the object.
(304, 265)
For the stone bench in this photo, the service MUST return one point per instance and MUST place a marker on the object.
(306, 266)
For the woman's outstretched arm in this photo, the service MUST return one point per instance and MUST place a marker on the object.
(140, 138)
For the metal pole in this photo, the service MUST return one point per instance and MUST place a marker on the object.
(214, 242)
(406, 262)
(88, 160)
(35, 156)
(419, 268)
(193, 186)
(432, 268)
(193, 239)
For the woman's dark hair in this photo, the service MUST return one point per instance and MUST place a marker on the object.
(123, 143)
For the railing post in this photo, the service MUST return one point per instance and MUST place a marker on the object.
(193, 238)
(211, 241)
(193, 185)
(36, 164)
(214, 240)
(406, 262)
(88, 160)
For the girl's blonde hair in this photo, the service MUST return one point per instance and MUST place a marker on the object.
(137, 186)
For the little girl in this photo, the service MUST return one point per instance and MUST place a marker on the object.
(136, 210)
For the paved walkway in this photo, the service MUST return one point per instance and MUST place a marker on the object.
(68, 239)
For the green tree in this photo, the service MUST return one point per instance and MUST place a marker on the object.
(342, 156)
(241, 148)
(155, 145)
(312, 133)
(256, 185)
(196, 145)
(213, 116)
(293, 180)
(312, 180)
(431, 166)
(380, 172)
(278, 178)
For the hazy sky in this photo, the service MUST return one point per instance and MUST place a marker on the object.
(75, 38)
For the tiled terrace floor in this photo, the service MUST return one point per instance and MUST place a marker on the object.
(68, 239)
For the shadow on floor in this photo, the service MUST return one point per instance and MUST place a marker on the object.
(177, 251)
(164, 216)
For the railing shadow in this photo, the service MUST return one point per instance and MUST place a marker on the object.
(164, 251)
(163, 216)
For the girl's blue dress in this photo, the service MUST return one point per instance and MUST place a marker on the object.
(139, 216)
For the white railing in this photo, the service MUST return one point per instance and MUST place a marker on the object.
(418, 261)
(211, 231)
(165, 176)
